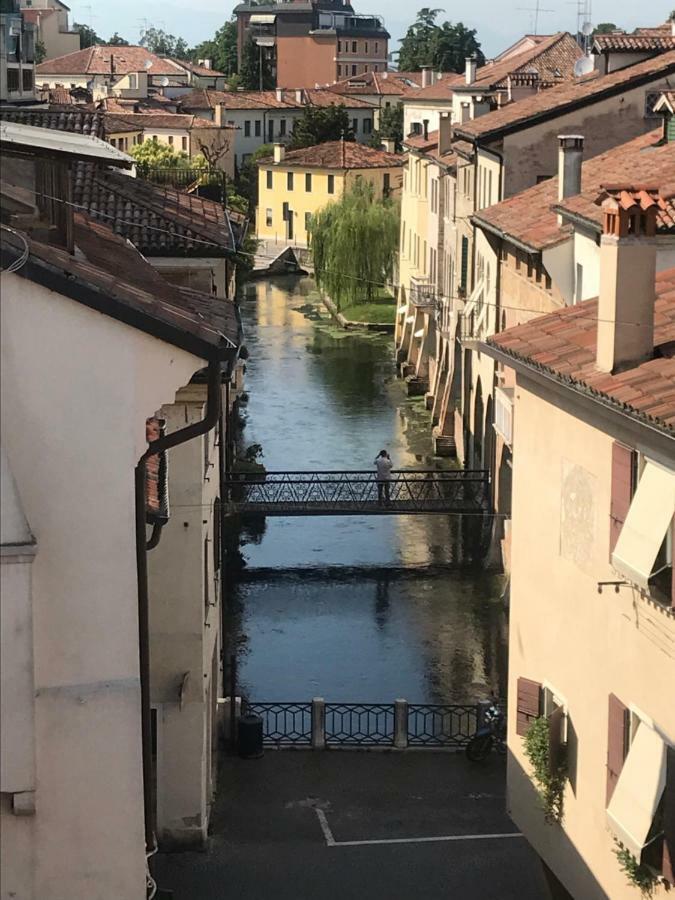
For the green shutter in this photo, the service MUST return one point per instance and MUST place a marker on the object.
(670, 129)
(465, 263)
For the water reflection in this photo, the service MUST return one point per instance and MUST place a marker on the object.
(350, 608)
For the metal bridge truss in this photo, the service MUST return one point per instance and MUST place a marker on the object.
(356, 493)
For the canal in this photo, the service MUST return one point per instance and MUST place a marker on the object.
(350, 609)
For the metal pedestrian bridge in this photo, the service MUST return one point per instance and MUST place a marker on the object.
(410, 492)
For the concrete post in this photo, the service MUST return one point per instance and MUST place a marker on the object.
(401, 724)
(318, 723)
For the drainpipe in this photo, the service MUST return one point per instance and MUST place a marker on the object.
(166, 442)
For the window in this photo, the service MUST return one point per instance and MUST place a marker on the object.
(339, 71)
(353, 70)
(268, 218)
(367, 126)
(154, 137)
(354, 46)
(579, 284)
(464, 264)
(355, 126)
(331, 184)
(386, 188)
(339, 46)
(289, 181)
(170, 140)
(377, 69)
(377, 47)
(216, 534)
(184, 144)
(308, 182)
(270, 177)
(365, 46)
(624, 478)
(207, 592)
(132, 82)
(270, 130)
(308, 219)
(258, 127)
(27, 75)
(12, 79)
(282, 126)
(528, 704)
(247, 128)
(417, 128)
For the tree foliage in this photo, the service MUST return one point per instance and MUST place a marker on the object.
(221, 50)
(605, 28)
(319, 124)
(156, 155)
(256, 67)
(444, 47)
(354, 244)
(116, 40)
(88, 37)
(390, 127)
(40, 52)
(247, 178)
(157, 41)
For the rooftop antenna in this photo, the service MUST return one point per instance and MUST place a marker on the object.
(535, 10)
(143, 25)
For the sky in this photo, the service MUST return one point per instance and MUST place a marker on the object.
(498, 24)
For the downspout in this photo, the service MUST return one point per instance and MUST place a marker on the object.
(182, 436)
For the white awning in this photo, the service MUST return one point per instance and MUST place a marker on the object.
(473, 299)
(646, 525)
(638, 791)
(258, 19)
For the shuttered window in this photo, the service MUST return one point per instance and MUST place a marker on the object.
(216, 534)
(623, 486)
(617, 740)
(465, 264)
(528, 704)
(556, 726)
(669, 818)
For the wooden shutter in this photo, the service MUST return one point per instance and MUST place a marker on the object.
(555, 738)
(464, 270)
(623, 468)
(669, 818)
(528, 704)
(616, 742)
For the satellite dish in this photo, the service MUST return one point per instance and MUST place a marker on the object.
(147, 64)
(164, 81)
(587, 28)
(583, 66)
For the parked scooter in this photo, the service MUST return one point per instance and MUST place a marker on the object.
(492, 733)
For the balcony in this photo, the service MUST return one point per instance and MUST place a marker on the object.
(422, 293)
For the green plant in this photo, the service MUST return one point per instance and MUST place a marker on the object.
(549, 775)
(639, 875)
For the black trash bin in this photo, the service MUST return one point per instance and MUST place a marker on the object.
(250, 737)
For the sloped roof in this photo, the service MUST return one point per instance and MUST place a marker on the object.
(338, 155)
(262, 100)
(158, 220)
(618, 42)
(96, 61)
(563, 344)
(552, 60)
(112, 277)
(147, 120)
(72, 119)
(384, 84)
(195, 68)
(565, 97)
(530, 217)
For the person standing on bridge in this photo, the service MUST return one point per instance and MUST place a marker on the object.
(383, 465)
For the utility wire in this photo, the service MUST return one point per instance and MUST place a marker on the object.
(382, 284)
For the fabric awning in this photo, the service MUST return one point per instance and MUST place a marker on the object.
(638, 791)
(649, 517)
(259, 19)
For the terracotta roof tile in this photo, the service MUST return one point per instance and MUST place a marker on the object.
(633, 43)
(563, 344)
(72, 119)
(557, 100)
(207, 99)
(96, 61)
(145, 120)
(339, 155)
(195, 68)
(384, 84)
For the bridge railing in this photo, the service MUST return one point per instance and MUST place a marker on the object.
(424, 490)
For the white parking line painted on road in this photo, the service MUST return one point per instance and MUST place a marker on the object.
(331, 842)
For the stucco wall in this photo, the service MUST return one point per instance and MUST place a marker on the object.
(305, 61)
(73, 424)
(582, 643)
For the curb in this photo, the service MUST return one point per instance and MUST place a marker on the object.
(349, 325)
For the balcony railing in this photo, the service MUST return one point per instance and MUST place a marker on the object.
(422, 293)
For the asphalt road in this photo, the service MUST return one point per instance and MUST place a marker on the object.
(337, 825)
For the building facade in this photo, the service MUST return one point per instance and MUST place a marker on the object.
(52, 31)
(17, 55)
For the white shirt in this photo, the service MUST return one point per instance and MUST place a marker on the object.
(384, 466)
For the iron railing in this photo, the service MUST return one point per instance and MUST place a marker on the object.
(284, 724)
(359, 724)
(400, 724)
(441, 725)
(358, 492)
(205, 181)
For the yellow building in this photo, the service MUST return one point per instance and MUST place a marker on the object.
(295, 184)
(592, 613)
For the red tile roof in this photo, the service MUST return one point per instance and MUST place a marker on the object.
(552, 60)
(96, 61)
(339, 155)
(195, 68)
(565, 97)
(563, 344)
(530, 217)
(74, 119)
(617, 42)
(389, 84)
(178, 121)
(262, 100)
(421, 143)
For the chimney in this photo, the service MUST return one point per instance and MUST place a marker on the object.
(444, 132)
(570, 158)
(470, 70)
(426, 76)
(280, 95)
(279, 153)
(299, 96)
(218, 111)
(389, 145)
(425, 129)
(672, 26)
(627, 276)
(206, 63)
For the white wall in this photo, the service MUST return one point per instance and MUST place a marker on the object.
(73, 425)
(417, 112)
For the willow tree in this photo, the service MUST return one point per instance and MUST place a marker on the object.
(354, 244)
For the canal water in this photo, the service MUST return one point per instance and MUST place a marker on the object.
(363, 609)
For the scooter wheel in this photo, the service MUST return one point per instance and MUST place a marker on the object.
(479, 748)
